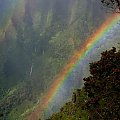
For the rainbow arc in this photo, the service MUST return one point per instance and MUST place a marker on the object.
(77, 57)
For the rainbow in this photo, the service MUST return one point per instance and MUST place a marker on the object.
(77, 57)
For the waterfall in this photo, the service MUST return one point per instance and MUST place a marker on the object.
(31, 70)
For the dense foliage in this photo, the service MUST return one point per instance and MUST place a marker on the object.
(103, 87)
(99, 99)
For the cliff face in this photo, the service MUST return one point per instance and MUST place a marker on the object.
(37, 39)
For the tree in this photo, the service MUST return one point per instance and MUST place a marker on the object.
(102, 87)
(114, 5)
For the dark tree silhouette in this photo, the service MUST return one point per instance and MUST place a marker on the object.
(114, 5)
(103, 87)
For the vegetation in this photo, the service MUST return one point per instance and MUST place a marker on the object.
(99, 99)
(73, 110)
(113, 5)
